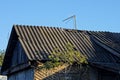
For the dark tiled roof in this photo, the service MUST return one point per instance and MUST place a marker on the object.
(39, 41)
(112, 40)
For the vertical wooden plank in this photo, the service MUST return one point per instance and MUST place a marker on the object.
(22, 75)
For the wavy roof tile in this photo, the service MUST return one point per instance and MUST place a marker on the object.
(38, 42)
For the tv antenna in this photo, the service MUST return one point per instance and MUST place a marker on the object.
(72, 17)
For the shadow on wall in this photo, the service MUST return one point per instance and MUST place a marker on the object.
(64, 72)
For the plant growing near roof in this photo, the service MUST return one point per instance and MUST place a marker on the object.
(69, 57)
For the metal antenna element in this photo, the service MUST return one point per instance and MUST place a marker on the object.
(74, 17)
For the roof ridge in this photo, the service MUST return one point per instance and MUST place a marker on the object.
(21, 25)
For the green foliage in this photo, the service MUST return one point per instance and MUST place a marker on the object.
(50, 64)
(2, 53)
(69, 56)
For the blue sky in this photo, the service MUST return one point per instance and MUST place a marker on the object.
(97, 15)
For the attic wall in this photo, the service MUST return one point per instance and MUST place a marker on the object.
(18, 56)
(17, 60)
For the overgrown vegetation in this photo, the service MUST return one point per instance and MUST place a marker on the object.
(2, 53)
(69, 56)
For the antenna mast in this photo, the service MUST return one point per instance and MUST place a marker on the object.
(74, 17)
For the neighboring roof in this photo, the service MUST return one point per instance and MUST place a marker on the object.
(111, 40)
(39, 41)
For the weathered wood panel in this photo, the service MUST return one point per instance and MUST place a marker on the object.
(19, 55)
(63, 72)
(42, 74)
(22, 75)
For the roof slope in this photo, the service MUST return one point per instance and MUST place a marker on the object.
(39, 41)
(112, 40)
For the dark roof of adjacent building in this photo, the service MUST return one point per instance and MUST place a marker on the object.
(38, 42)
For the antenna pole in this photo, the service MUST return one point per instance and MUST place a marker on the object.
(75, 25)
(75, 22)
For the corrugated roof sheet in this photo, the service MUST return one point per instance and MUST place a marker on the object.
(38, 42)
(110, 39)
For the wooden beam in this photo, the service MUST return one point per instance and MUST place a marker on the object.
(16, 68)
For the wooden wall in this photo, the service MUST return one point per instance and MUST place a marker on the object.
(58, 73)
(63, 72)
(18, 56)
(22, 75)
(18, 62)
